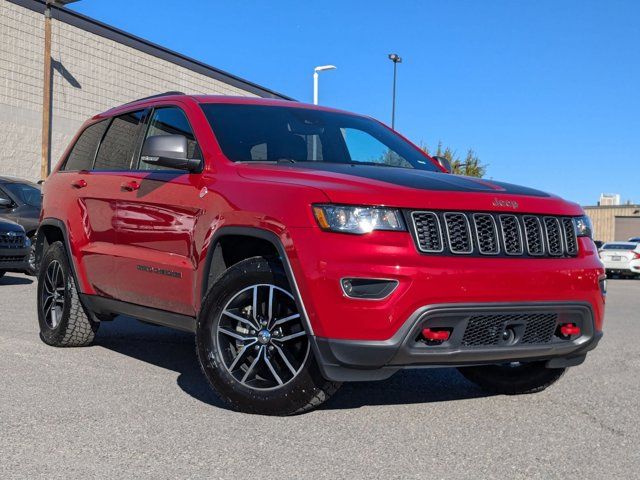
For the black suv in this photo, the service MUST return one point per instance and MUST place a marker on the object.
(20, 202)
(14, 248)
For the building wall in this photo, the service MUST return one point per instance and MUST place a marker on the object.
(90, 75)
(604, 219)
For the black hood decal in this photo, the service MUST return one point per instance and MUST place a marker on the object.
(421, 179)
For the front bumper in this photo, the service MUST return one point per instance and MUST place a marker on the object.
(14, 259)
(322, 259)
(353, 360)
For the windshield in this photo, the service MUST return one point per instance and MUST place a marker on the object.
(249, 133)
(25, 193)
(619, 246)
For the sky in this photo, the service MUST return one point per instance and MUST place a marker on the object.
(546, 92)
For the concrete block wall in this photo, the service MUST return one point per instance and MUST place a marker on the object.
(90, 75)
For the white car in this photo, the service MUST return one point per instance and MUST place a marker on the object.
(621, 258)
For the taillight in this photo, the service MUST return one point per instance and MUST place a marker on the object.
(636, 255)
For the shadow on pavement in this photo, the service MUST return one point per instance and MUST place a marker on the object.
(174, 350)
(15, 279)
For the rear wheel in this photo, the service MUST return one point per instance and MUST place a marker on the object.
(63, 320)
(513, 378)
(253, 346)
(2, 272)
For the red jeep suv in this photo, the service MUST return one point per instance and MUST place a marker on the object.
(305, 247)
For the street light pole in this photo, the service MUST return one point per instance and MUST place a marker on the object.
(316, 72)
(395, 58)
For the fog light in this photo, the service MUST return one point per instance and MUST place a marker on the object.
(368, 288)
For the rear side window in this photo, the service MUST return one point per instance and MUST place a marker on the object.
(84, 151)
(119, 144)
(171, 121)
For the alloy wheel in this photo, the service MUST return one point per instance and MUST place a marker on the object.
(261, 337)
(53, 294)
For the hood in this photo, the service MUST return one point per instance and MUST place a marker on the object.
(9, 226)
(410, 188)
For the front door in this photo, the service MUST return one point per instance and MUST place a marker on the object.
(156, 221)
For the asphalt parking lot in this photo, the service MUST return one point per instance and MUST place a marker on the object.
(135, 405)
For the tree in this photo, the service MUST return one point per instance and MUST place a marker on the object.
(471, 166)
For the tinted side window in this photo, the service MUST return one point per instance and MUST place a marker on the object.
(84, 151)
(118, 146)
(171, 121)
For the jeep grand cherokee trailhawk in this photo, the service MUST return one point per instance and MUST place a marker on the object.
(305, 247)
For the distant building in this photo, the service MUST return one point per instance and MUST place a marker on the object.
(609, 199)
(615, 222)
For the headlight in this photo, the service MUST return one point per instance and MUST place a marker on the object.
(27, 242)
(583, 226)
(338, 218)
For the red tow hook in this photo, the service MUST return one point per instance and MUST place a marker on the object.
(569, 329)
(435, 335)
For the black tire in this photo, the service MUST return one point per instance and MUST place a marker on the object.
(2, 272)
(303, 391)
(512, 379)
(71, 326)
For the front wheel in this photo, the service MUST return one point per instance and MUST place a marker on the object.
(253, 346)
(513, 378)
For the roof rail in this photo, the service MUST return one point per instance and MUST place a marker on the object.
(155, 96)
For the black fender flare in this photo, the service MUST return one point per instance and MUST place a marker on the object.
(40, 239)
(272, 238)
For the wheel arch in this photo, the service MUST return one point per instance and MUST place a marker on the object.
(54, 230)
(242, 243)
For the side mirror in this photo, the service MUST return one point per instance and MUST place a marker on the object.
(5, 203)
(444, 163)
(168, 151)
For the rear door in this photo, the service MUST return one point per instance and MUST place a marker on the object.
(96, 190)
(156, 224)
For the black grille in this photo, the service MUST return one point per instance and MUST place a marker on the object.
(10, 258)
(488, 329)
(553, 235)
(511, 235)
(533, 234)
(570, 240)
(458, 233)
(486, 233)
(428, 231)
(12, 240)
(494, 234)
(540, 328)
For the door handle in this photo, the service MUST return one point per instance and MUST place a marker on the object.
(80, 183)
(130, 186)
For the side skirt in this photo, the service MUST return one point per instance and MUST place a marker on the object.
(108, 306)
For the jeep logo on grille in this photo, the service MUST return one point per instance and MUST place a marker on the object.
(505, 203)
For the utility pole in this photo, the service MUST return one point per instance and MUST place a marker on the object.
(46, 95)
(46, 87)
(395, 58)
